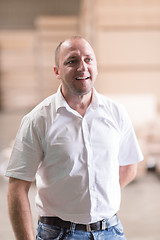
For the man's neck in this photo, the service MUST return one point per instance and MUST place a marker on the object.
(79, 103)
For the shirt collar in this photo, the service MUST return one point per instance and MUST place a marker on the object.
(61, 102)
(96, 100)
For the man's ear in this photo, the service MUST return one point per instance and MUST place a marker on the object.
(56, 71)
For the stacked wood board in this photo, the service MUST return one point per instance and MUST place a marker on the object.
(127, 42)
(27, 60)
(17, 70)
(50, 31)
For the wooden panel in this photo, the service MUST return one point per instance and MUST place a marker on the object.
(57, 22)
(16, 39)
(126, 48)
(135, 105)
(27, 59)
(15, 58)
(88, 19)
(128, 82)
(19, 100)
(17, 63)
(18, 79)
(128, 13)
(56, 35)
(47, 80)
(50, 31)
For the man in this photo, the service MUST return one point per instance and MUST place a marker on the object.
(82, 148)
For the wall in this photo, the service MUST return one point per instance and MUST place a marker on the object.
(125, 35)
(29, 34)
(128, 46)
(27, 60)
(50, 32)
(18, 85)
(21, 14)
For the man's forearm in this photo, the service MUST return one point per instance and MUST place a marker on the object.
(20, 214)
(127, 174)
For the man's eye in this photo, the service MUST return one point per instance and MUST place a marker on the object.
(88, 59)
(71, 61)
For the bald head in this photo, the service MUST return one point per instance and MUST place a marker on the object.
(58, 49)
(75, 67)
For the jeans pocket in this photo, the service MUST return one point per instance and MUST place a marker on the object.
(118, 229)
(47, 232)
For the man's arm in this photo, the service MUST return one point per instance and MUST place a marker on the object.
(19, 209)
(127, 174)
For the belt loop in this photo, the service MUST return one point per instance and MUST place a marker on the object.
(72, 227)
(88, 228)
(104, 225)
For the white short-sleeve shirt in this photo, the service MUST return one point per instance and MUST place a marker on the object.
(75, 159)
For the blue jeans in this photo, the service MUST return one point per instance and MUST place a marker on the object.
(47, 232)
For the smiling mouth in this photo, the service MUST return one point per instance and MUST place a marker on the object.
(82, 78)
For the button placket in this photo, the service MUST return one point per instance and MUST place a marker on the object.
(86, 138)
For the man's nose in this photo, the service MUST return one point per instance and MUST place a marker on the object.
(81, 66)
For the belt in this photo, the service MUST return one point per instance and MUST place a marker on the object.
(97, 226)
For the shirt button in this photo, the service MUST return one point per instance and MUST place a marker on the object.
(89, 164)
(87, 145)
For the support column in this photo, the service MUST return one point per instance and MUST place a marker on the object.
(88, 20)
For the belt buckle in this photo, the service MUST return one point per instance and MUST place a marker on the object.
(88, 228)
(102, 227)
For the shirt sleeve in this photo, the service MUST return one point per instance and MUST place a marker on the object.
(27, 152)
(129, 151)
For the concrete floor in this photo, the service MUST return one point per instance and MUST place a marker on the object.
(140, 207)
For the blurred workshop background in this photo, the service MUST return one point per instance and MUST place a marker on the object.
(125, 35)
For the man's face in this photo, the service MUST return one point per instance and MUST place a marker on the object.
(77, 67)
